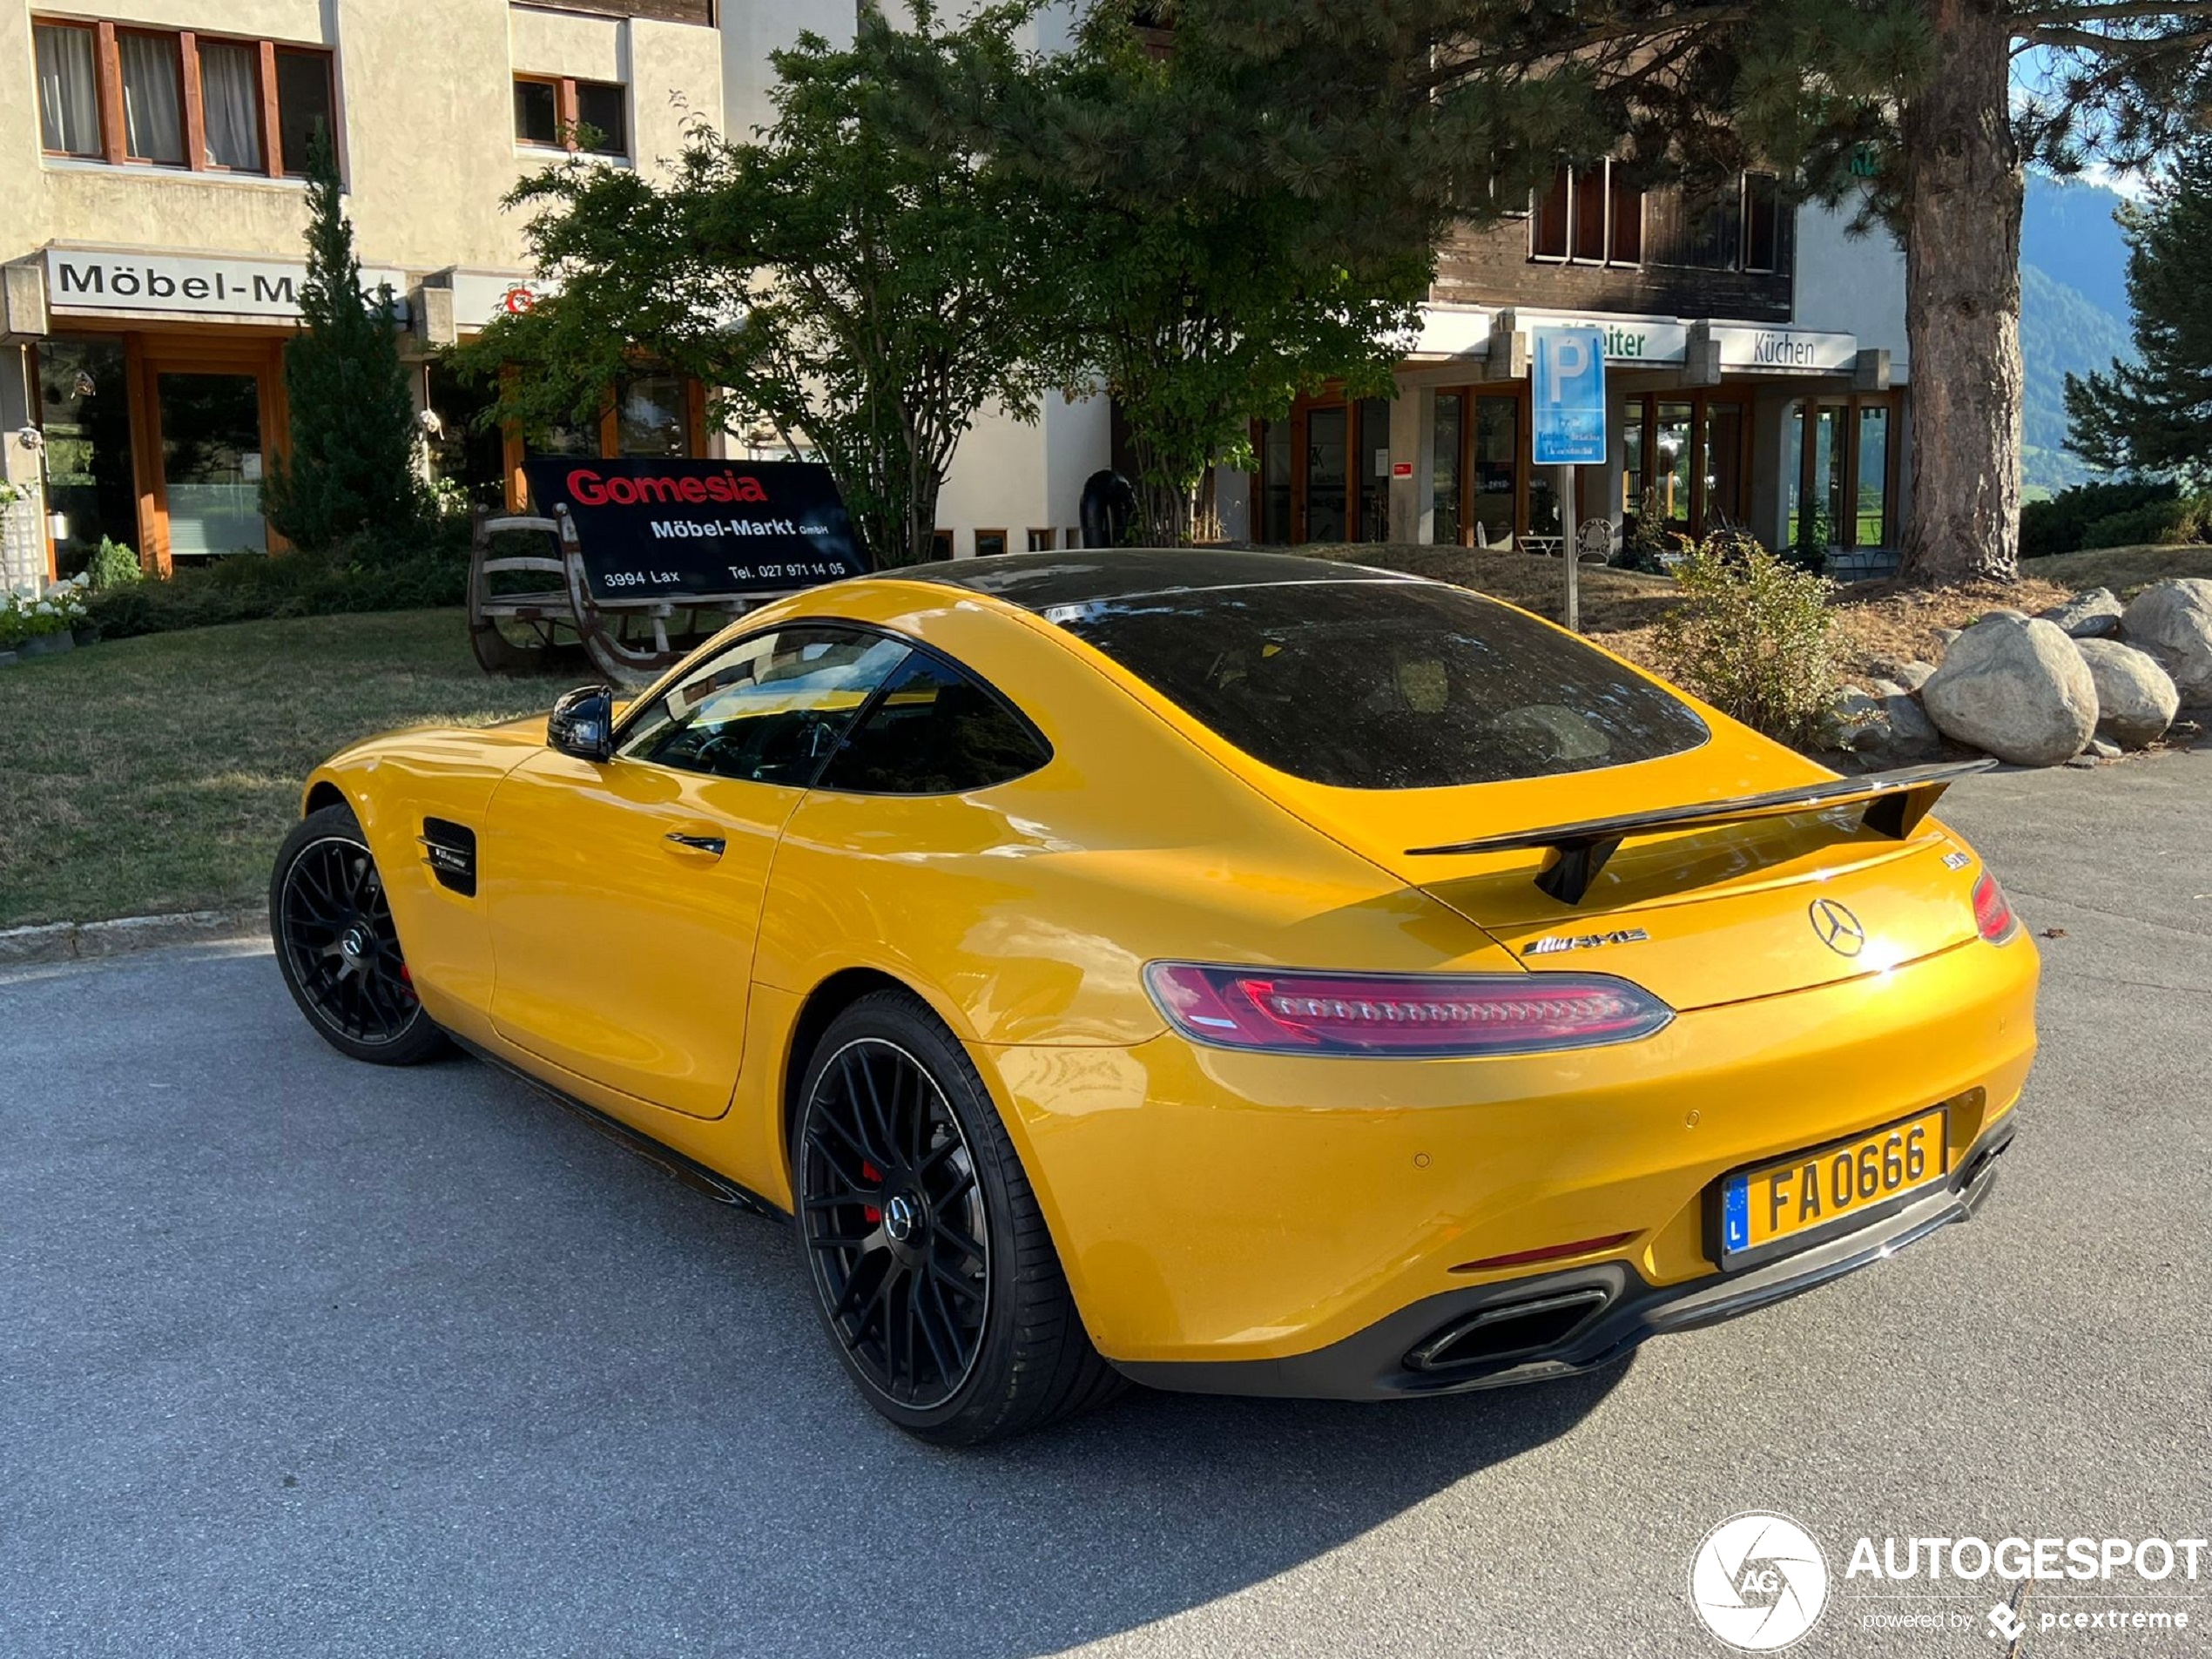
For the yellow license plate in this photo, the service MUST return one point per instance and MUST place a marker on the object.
(1829, 1187)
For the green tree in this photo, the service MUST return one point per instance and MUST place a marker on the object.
(1906, 108)
(859, 275)
(1234, 233)
(2153, 416)
(352, 465)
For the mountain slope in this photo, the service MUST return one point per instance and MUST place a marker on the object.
(2073, 314)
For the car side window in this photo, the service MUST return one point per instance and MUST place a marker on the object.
(770, 708)
(935, 731)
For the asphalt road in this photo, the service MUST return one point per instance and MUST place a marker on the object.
(299, 1356)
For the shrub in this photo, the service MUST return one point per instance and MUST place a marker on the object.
(112, 565)
(362, 573)
(1754, 638)
(2170, 523)
(2057, 525)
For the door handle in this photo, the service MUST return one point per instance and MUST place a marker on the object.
(712, 846)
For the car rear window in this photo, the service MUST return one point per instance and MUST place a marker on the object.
(1387, 685)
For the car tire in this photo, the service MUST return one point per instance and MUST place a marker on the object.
(932, 1270)
(338, 949)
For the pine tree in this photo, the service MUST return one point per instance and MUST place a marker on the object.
(2154, 415)
(352, 465)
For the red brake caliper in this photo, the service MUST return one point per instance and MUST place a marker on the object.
(869, 1172)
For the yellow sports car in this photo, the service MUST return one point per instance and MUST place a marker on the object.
(1228, 971)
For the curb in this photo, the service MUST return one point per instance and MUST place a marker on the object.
(73, 941)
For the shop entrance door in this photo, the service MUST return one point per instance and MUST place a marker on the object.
(211, 414)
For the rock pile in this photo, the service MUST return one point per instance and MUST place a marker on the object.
(2087, 676)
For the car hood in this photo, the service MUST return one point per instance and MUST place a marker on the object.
(1701, 917)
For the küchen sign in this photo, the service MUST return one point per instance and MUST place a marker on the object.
(650, 530)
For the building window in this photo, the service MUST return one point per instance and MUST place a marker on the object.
(1444, 468)
(989, 543)
(941, 546)
(307, 104)
(563, 113)
(225, 125)
(153, 100)
(1762, 221)
(603, 119)
(537, 111)
(652, 416)
(230, 104)
(1744, 227)
(69, 88)
(1042, 540)
(1589, 216)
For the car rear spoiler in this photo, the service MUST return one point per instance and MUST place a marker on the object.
(1896, 802)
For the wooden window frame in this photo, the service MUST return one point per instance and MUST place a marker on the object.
(1044, 541)
(102, 36)
(1852, 405)
(191, 112)
(1610, 255)
(1006, 542)
(565, 120)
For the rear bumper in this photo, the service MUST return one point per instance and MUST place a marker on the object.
(1596, 1314)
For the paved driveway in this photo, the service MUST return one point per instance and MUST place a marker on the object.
(299, 1356)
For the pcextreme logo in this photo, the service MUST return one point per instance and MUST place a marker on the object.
(1758, 1582)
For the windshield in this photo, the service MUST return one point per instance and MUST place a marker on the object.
(1387, 685)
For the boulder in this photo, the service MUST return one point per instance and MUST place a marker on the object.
(2015, 689)
(2137, 700)
(1887, 688)
(1913, 676)
(2102, 750)
(1947, 637)
(2172, 620)
(2092, 614)
(1884, 731)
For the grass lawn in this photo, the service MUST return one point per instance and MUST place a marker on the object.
(159, 773)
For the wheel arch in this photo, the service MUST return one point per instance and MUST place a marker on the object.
(320, 793)
(824, 1004)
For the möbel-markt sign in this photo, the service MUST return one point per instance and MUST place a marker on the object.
(98, 281)
(650, 529)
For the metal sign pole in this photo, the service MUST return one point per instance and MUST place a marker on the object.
(1567, 398)
(1570, 548)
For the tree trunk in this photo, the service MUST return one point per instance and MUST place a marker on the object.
(1963, 192)
(1163, 507)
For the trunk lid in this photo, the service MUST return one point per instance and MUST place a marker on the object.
(1701, 917)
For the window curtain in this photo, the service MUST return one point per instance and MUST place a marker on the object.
(153, 126)
(230, 106)
(69, 94)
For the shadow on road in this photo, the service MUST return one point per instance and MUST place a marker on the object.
(308, 1356)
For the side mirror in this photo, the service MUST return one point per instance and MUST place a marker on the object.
(582, 722)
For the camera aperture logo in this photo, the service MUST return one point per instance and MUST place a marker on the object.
(1758, 1582)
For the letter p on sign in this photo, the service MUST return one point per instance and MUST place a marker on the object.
(1568, 397)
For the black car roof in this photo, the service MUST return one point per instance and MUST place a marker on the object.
(1043, 580)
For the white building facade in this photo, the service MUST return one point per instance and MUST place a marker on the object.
(150, 251)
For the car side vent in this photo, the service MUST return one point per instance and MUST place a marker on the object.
(450, 851)
(1506, 1329)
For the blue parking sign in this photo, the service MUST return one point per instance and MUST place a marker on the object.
(1568, 391)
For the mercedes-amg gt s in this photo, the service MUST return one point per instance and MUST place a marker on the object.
(1228, 971)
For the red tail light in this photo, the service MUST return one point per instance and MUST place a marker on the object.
(1993, 911)
(1293, 1012)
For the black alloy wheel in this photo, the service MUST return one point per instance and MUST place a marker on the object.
(932, 1267)
(895, 1225)
(331, 922)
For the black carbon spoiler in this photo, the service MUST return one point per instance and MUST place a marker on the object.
(1896, 802)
